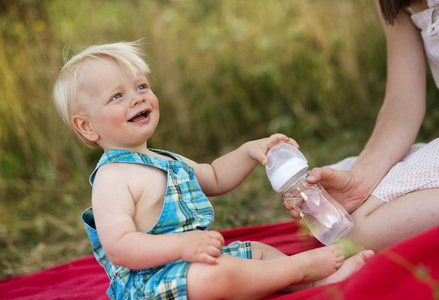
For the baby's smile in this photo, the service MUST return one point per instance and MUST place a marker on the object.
(140, 117)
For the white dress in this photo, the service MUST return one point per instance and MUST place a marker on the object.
(419, 169)
(428, 22)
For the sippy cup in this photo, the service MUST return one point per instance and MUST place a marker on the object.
(287, 169)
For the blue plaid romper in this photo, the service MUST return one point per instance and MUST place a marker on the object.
(185, 208)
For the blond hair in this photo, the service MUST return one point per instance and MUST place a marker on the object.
(67, 87)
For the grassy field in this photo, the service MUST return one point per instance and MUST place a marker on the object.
(225, 72)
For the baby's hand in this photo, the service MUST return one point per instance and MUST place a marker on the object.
(201, 246)
(258, 149)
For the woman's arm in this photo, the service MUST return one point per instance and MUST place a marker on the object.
(398, 121)
(404, 104)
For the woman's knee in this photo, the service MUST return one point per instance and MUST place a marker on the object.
(363, 232)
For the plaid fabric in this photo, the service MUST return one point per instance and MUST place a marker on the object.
(185, 208)
(238, 249)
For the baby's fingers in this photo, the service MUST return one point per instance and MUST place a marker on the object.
(216, 236)
(207, 259)
(280, 138)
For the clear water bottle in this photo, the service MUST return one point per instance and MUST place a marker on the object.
(287, 169)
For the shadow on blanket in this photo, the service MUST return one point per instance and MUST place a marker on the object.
(408, 270)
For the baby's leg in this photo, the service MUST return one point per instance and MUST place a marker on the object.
(350, 266)
(242, 278)
(378, 224)
(261, 251)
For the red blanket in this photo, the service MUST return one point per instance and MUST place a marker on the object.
(408, 270)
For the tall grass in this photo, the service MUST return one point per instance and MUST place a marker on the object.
(225, 72)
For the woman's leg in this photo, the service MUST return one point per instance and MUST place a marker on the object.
(379, 224)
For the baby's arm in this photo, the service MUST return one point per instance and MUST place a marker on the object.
(228, 171)
(114, 209)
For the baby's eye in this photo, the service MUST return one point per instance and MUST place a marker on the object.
(143, 87)
(117, 96)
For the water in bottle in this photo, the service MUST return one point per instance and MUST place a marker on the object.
(287, 169)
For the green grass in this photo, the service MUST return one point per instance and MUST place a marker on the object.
(225, 72)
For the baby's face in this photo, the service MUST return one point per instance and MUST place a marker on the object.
(121, 110)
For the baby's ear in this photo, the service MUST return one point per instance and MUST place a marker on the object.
(84, 127)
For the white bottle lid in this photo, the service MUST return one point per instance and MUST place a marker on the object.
(284, 162)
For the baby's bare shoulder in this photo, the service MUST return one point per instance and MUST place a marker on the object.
(128, 171)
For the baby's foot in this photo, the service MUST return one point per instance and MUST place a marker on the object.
(321, 262)
(350, 266)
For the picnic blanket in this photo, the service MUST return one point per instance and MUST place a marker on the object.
(407, 270)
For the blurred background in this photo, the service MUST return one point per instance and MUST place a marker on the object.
(225, 72)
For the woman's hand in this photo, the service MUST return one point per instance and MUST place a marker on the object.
(340, 184)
